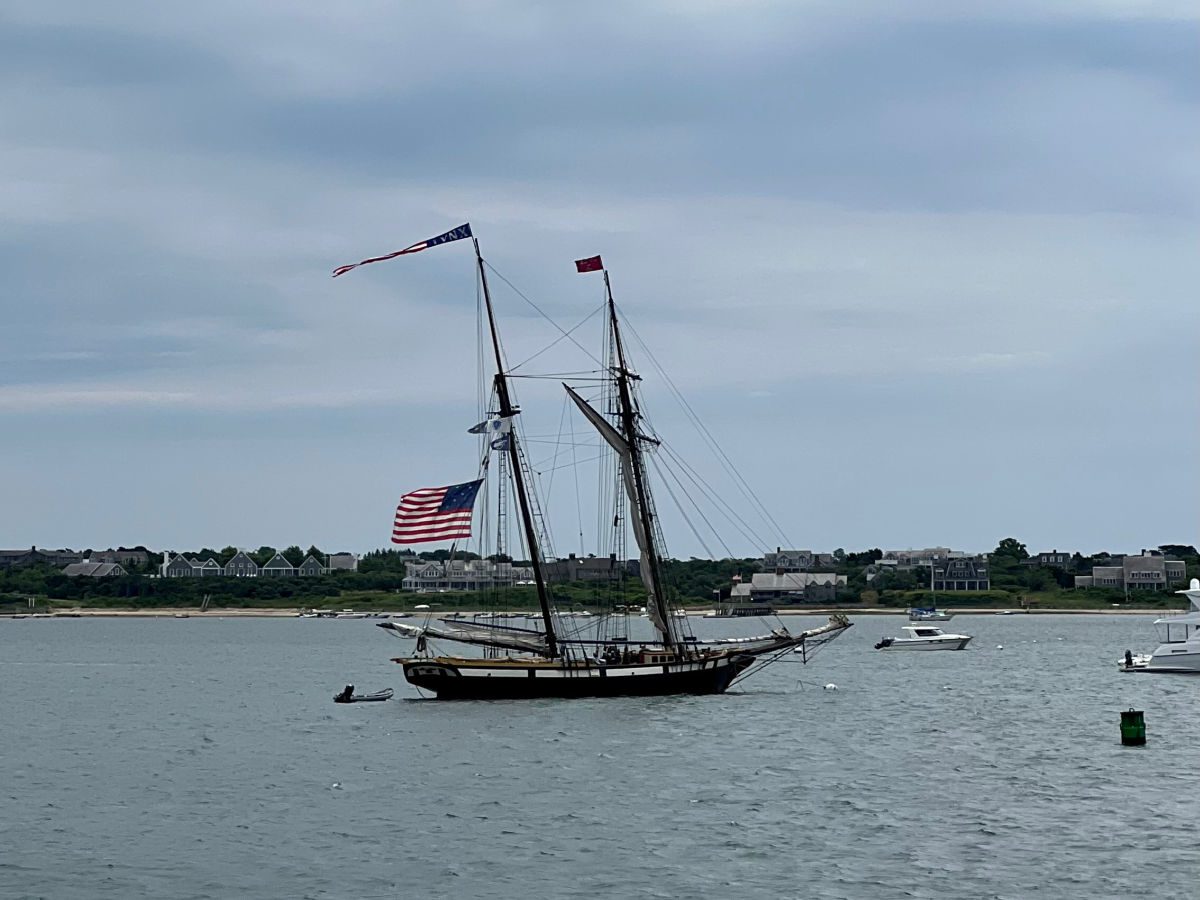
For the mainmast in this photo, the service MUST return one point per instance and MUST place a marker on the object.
(507, 411)
(629, 428)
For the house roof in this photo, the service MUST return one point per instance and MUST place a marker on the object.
(278, 561)
(96, 570)
(311, 559)
(241, 554)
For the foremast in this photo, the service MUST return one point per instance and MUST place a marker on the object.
(507, 411)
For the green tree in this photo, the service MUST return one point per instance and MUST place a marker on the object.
(263, 555)
(1062, 577)
(1010, 548)
(1039, 579)
(294, 555)
(1183, 551)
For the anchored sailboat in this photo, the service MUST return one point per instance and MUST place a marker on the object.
(930, 613)
(553, 661)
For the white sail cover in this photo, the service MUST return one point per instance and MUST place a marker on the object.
(472, 633)
(621, 446)
(780, 637)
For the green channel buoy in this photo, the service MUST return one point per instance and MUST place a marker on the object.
(1133, 728)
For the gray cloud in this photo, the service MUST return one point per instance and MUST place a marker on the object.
(893, 256)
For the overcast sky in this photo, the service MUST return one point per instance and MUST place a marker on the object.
(927, 270)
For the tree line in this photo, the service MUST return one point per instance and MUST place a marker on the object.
(691, 582)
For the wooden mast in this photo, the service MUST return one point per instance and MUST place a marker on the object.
(630, 430)
(508, 411)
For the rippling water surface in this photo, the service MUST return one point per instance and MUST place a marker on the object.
(204, 758)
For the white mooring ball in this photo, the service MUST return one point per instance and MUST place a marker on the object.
(831, 686)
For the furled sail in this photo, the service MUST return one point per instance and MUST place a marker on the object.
(779, 637)
(473, 633)
(615, 440)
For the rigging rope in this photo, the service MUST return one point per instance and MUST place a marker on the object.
(731, 515)
(708, 438)
(541, 313)
(563, 336)
(700, 512)
(683, 512)
(575, 471)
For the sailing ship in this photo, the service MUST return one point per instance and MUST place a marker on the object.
(555, 660)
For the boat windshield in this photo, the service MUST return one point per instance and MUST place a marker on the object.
(1177, 630)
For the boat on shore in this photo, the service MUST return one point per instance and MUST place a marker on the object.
(555, 659)
(740, 612)
(924, 637)
(1178, 651)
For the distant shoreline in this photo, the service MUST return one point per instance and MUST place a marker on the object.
(181, 613)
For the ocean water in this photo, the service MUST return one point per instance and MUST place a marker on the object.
(204, 758)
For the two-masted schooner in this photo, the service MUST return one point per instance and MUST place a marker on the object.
(552, 660)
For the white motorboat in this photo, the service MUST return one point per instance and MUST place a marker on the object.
(1179, 650)
(924, 637)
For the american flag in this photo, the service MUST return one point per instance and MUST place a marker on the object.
(435, 514)
(454, 234)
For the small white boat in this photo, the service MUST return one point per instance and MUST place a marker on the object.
(922, 614)
(1179, 650)
(924, 637)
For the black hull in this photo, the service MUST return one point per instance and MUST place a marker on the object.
(449, 682)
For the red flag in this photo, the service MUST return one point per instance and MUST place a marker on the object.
(591, 264)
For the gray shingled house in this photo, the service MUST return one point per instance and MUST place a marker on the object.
(310, 566)
(278, 566)
(209, 568)
(178, 567)
(241, 566)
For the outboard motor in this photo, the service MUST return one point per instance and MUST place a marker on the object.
(886, 642)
